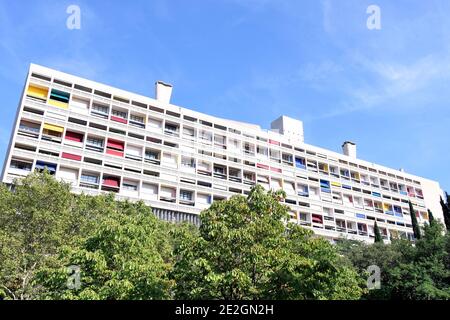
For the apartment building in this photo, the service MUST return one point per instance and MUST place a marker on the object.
(178, 161)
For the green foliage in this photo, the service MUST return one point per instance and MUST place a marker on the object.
(415, 224)
(378, 237)
(430, 216)
(446, 210)
(246, 250)
(35, 220)
(407, 271)
(127, 256)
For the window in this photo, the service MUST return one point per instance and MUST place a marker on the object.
(287, 158)
(168, 194)
(314, 193)
(89, 180)
(325, 186)
(203, 199)
(206, 136)
(323, 167)
(110, 183)
(249, 149)
(171, 128)
(188, 132)
(362, 229)
(21, 164)
(52, 133)
(187, 162)
(263, 181)
(59, 99)
(41, 165)
(119, 116)
(358, 202)
(355, 176)
(152, 156)
(149, 191)
(334, 171)
(100, 110)
(134, 152)
(67, 174)
(345, 173)
(274, 155)
(186, 195)
(115, 147)
(30, 129)
(129, 185)
(37, 92)
(220, 141)
(74, 136)
(204, 168)
(302, 190)
(79, 104)
(234, 174)
(94, 144)
(340, 225)
(220, 171)
(317, 218)
(137, 121)
(312, 165)
(300, 163)
(263, 151)
(154, 124)
(169, 159)
(249, 177)
(348, 200)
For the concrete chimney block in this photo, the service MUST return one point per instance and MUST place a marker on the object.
(163, 91)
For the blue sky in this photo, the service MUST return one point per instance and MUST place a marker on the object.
(253, 60)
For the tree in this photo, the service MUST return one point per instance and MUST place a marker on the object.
(246, 249)
(425, 275)
(415, 224)
(35, 220)
(408, 272)
(430, 216)
(378, 237)
(128, 256)
(446, 211)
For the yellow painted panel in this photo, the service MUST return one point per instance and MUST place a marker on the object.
(37, 92)
(58, 104)
(53, 127)
(336, 184)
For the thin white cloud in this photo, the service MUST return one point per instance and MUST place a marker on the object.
(395, 80)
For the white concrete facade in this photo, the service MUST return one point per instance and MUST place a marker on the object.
(179, 161)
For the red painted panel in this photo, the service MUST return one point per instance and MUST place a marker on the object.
(114, 152)
(276, 169)
(274, 142)
(115, 144)
(71, 156)
(316, 219)
(263, 166)
(111, 182)
(118, 119)
(74, 136)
